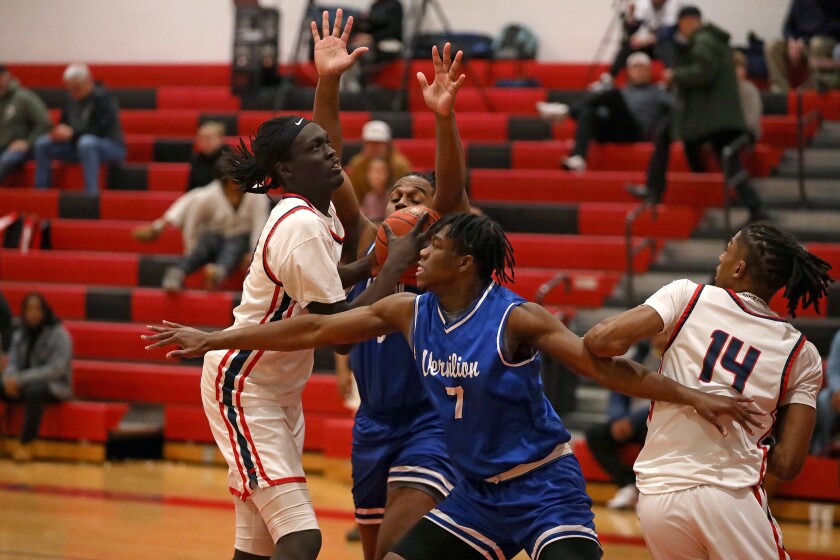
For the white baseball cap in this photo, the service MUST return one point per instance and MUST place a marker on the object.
(376, 131)
(638, 58)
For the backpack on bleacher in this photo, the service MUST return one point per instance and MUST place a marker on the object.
(24, 232)
(515, 42)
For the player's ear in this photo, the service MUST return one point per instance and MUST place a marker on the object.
(740, 269)
(465, 262)
(283, 171)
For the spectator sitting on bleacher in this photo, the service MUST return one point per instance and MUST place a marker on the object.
(827, 430)
(209, 141)
(23, 117)
(381, 31)
(376, 143)
(89, 131)
(380, 180)
(638, 112)
(751, 101)
(5, 329)
(810, 31)
(709, 107)
(649, 28)
(220, 226)
(38, 367)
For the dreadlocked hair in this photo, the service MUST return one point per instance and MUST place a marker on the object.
(484, 240)
(783, 263)
(247, 166)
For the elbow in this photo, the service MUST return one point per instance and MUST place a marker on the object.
(786, 469)
(601, 344)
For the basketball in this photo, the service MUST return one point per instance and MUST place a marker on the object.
(401, 223)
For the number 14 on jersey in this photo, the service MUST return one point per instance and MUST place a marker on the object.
(742, 370)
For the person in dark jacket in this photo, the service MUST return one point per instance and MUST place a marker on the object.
(709, 107)
(89, 131)
(209, 144)
(23, 118)
(38, 369)
(810, 31)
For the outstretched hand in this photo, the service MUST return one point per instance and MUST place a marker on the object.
(331, 56)
(193, 342)
(404, 251)
(715, 409)
(440, 95)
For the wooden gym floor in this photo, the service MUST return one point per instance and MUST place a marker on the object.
(162, 510)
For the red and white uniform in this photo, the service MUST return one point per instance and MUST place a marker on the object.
(722, 343)
(253, 398)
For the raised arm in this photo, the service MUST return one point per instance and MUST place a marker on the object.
(331, 61)
(450, 166)
(389, 315)
(531, 326)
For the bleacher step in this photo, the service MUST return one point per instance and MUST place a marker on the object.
(781, 192)
(820, 163)
(692, 255)
(828, 136)
(810, 225)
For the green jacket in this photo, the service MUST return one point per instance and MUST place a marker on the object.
(22, 115)
(707, 87)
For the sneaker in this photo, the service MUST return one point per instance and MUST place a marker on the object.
(626, 498)
(353, 535)
(642, 193)
(173, 280)
(212, 276)
(603, 83)
(552, 112)
(574, 163)
(23, 454)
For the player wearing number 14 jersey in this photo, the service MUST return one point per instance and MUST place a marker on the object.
(701, 494)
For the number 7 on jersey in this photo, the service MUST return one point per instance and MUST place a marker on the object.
(458, 393)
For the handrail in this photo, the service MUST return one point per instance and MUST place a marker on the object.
(732, 180)
(802, 121)
(630, 252)
(560, 277)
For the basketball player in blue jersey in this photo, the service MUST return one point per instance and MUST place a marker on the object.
(400, 466)
(476, 345)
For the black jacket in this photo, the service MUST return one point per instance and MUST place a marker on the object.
(96, 114)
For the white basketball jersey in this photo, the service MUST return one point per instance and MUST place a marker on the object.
(722, 343)
(294, 264)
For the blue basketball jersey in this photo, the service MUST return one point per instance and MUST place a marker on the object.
(494, 413)
(385, 371)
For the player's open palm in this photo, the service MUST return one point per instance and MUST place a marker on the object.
(440, 94)
(193, 342)
(719, 410)
(331, 56)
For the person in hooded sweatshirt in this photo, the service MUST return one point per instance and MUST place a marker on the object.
(37, 369)
(23, 118)
(709, 107)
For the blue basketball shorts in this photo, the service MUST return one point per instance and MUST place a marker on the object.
(392, 453)
(528, 512)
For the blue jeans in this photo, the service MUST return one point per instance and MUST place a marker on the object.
(90, 150)
(11, 160)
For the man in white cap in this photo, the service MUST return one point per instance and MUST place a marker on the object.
(376, 143)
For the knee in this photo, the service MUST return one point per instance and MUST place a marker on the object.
(42, 143)
(300, 545)
(87, 143)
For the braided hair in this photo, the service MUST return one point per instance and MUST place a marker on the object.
(782, 263)
(484, 240)
(253, 169)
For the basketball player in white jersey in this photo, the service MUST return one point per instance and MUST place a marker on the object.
(701, 493)
(252, 399)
